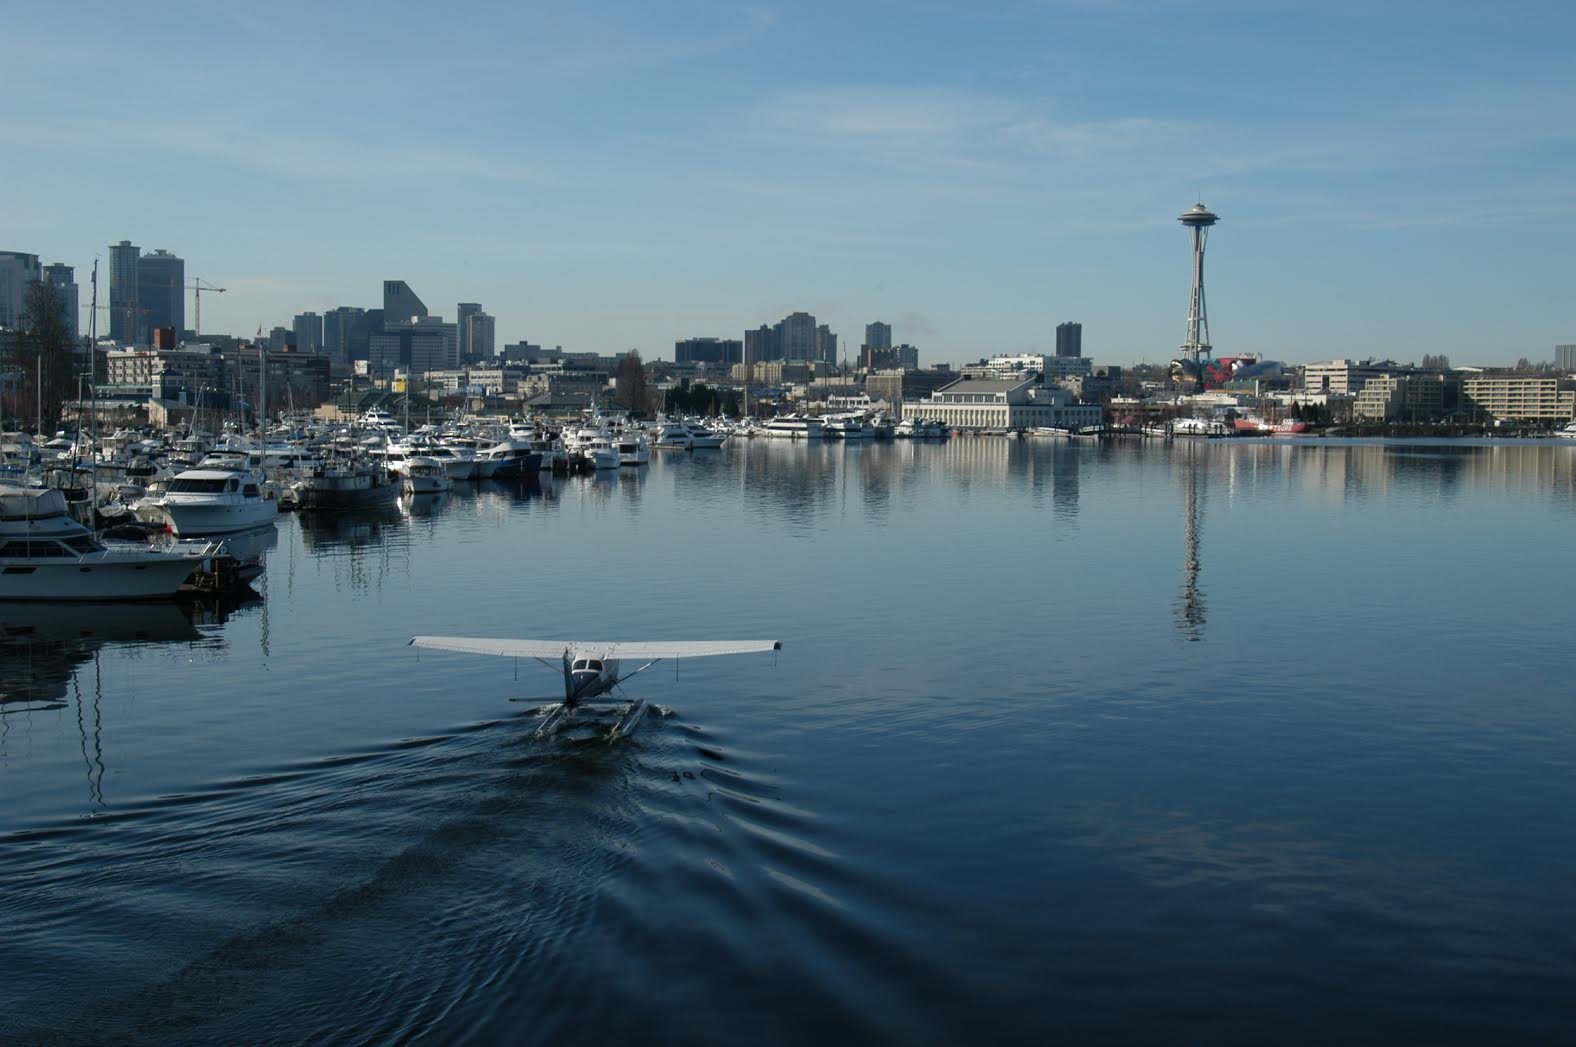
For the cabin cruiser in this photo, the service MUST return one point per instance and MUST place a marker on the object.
(346, 484)
(1568, 433)
(632, 449)
(212, 501)
(846, 427)
(673, 436)
(793, 427)
(702, 437)
(920, 429)
(1200, 427)
(512, 458)
(46, 555)
(424, 475)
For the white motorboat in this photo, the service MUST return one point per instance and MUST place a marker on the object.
(212, 501)
(702, 437)
(1568, 433)
(632, 448)
(846, 427)
(423, 475)
(513, 457)
(46, 555)
(673, 436)
(793, 427)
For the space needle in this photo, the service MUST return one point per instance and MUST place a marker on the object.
(1198, 218)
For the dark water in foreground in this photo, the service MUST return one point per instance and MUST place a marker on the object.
(1236, 742)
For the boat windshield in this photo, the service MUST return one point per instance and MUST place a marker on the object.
(197, 485)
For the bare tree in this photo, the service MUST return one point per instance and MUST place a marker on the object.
(45, 356)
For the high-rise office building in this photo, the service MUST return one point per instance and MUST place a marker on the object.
(123, 291)
(708, 351)
(63, 279)
(1069, 339)
(161, 294)
(825, 344)
(17, 271)
(463, 312)
(878, 335)
(478, 337)
(400, 304)
(1565, 357)
(308, 329)
(796, 337)
(760, 344)
(338, 325)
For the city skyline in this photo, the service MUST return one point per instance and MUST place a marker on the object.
(585, 178)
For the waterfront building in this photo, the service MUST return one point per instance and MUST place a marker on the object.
(1508, 397)
(708, 351)
(123, 291)
(308, 330)
(161, 294)
(1020, 402)
(1413, 396)
(17, 271)
(63, 279)
(1069, 339)
(1341, 376)
(192, 375)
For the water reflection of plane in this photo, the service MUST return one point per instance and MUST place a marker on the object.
(1190, 609)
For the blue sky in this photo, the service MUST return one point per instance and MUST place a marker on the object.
(1393, 178)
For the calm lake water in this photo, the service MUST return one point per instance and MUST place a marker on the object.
(1238, 741)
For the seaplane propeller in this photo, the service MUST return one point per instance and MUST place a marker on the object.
(591, 669)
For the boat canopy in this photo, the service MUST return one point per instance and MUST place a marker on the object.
(30, 503)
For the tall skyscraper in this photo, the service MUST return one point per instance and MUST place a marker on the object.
(338, 325)
(760, 344)
(463, 312)
(400, 304)
(161, 294)
(878, 335)
(825, 344)
(479, 334)
(308, 329)
(1565, 357)
(17, 270)
(796, 337)
(63, 279)
(1069, 339)
(123, 291)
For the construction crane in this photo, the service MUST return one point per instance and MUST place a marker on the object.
(197, 287)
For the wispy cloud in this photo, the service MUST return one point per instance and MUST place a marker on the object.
(350, 158)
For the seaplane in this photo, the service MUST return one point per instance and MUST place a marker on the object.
(592, 670)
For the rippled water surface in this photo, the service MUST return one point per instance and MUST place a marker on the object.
(1248, 741)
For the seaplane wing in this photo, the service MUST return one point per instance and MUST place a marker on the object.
(635, 651)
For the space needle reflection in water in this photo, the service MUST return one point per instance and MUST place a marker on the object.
(1190, 606)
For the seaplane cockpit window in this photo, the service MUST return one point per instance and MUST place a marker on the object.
(580, 663)
(594, 665)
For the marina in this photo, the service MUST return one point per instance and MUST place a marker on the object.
(1164, 799)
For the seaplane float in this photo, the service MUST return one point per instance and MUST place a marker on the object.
(593, 670)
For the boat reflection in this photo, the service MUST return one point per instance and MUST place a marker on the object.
(424, 504)
(356, 527)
